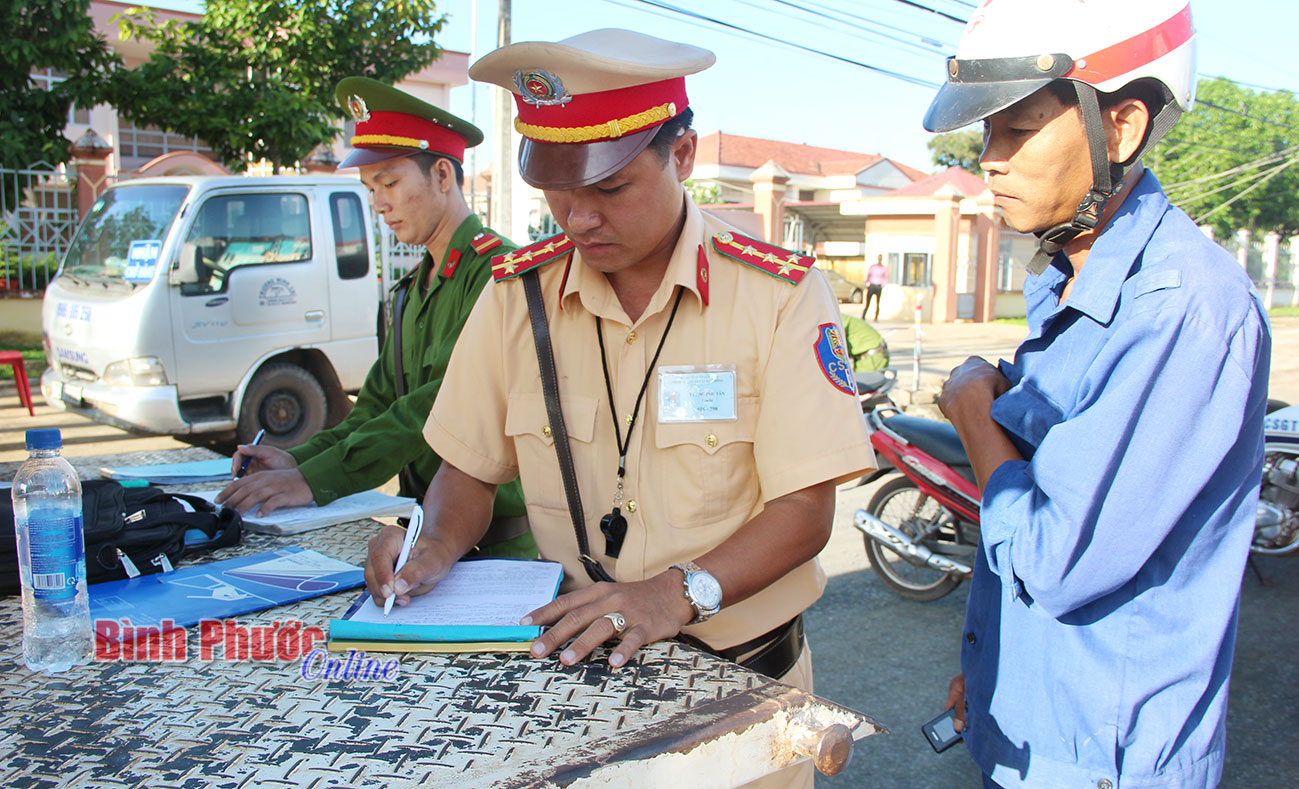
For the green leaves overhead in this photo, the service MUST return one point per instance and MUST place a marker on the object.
(39, 35)
(1231, 162)
(254, 79)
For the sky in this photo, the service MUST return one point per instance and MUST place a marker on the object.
(770, 85)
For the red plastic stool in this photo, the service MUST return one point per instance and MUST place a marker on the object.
(15, 360)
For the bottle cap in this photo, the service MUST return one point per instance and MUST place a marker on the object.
(44, 438)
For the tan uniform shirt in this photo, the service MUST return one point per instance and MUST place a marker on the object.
(689, 485)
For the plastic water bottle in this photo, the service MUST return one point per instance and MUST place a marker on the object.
(51, 557)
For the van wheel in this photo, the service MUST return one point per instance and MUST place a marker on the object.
(287, 402)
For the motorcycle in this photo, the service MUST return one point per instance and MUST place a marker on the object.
(1276, 530)
(921, 529)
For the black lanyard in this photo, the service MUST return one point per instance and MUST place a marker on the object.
(614, 525)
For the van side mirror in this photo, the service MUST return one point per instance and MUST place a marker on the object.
(188, 265)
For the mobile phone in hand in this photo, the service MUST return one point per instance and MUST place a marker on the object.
(941, 732)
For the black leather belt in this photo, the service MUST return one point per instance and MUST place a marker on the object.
(778, 650)
(502, 529)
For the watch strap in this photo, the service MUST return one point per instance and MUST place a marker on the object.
(701, 614)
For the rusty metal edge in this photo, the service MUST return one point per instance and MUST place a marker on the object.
(731, 715)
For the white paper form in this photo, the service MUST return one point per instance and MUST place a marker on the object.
(292, 520)
(476, 592)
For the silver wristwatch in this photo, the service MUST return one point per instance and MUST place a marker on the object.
(702, 590)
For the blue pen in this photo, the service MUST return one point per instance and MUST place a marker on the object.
(248, 458)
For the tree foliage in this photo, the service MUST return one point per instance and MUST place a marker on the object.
(47, 34)
(1232, 162)
(957, 149)
(254, 79)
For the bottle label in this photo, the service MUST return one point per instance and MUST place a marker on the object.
(57, 554)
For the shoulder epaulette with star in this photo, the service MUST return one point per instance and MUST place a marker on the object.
(536, 254)
(768, 258)
(485, 242)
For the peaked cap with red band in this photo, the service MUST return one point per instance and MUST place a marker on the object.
(589, 104)
(391, 123)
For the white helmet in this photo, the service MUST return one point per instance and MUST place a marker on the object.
(1012, 48)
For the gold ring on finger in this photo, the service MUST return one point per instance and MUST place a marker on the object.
(618, 621)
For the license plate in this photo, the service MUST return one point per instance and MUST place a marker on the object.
(72, 394)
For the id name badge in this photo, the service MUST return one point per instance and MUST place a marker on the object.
(697, 393)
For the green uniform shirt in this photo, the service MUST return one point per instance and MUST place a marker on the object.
(862, 339)
(384, 432)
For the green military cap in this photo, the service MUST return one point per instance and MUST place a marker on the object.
(391, 123)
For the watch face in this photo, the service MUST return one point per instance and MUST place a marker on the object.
(705, 590)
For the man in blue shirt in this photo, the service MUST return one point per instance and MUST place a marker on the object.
(1120, 454)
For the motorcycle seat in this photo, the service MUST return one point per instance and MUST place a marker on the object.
(934, 438)
(872, 381)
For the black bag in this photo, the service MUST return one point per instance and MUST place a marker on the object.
(127, 530)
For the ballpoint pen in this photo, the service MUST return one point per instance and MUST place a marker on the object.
(412, 534)
(248, 458)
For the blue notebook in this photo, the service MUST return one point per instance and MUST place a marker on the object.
(217, 590)
(479, 601)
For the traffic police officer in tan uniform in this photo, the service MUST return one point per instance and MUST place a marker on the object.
(704, 384)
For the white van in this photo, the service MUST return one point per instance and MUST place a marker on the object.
(217, 306)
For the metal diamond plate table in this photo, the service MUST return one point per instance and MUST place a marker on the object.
(674, 715)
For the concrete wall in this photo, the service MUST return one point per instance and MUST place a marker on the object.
(21, 315)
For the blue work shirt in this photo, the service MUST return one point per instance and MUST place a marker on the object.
(1102, 614)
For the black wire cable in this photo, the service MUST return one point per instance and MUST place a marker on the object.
(696, 15)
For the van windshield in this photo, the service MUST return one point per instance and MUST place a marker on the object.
(121, 238)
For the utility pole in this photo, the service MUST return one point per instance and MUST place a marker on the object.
(473, 112)
(502, 127)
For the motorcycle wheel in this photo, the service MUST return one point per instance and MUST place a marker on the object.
(901, 505)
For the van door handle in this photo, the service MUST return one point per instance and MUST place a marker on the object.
(315, 316)
(217, 302)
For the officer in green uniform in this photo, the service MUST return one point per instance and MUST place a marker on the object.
(409, 153)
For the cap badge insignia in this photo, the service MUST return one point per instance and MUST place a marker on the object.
(356, 106)
(540, 88)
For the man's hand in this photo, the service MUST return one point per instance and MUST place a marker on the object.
(260, 459)
(970, 390)
(654, 609)
(966, 399)
(956, 699)
(428, 563)
(270, 489)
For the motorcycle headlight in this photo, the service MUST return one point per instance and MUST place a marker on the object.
(141, 371)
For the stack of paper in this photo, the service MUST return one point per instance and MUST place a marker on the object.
(475, 608)
(292, 520)
(173, 473)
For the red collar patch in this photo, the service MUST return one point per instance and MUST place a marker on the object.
(453, 260)
(701, 275)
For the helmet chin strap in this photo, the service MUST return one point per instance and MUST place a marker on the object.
(1107, 177)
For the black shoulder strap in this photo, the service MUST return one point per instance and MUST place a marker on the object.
(407, 483)
(550, 386)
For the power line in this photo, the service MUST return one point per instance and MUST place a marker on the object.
(1262, 161)
(936, 46)
(764, 36)
(1275, 172)
(1252, 84)
(1265, 174)
(922, 7)
(1213, 106)
(871, 36)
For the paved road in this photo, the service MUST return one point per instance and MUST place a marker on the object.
(891, 658)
